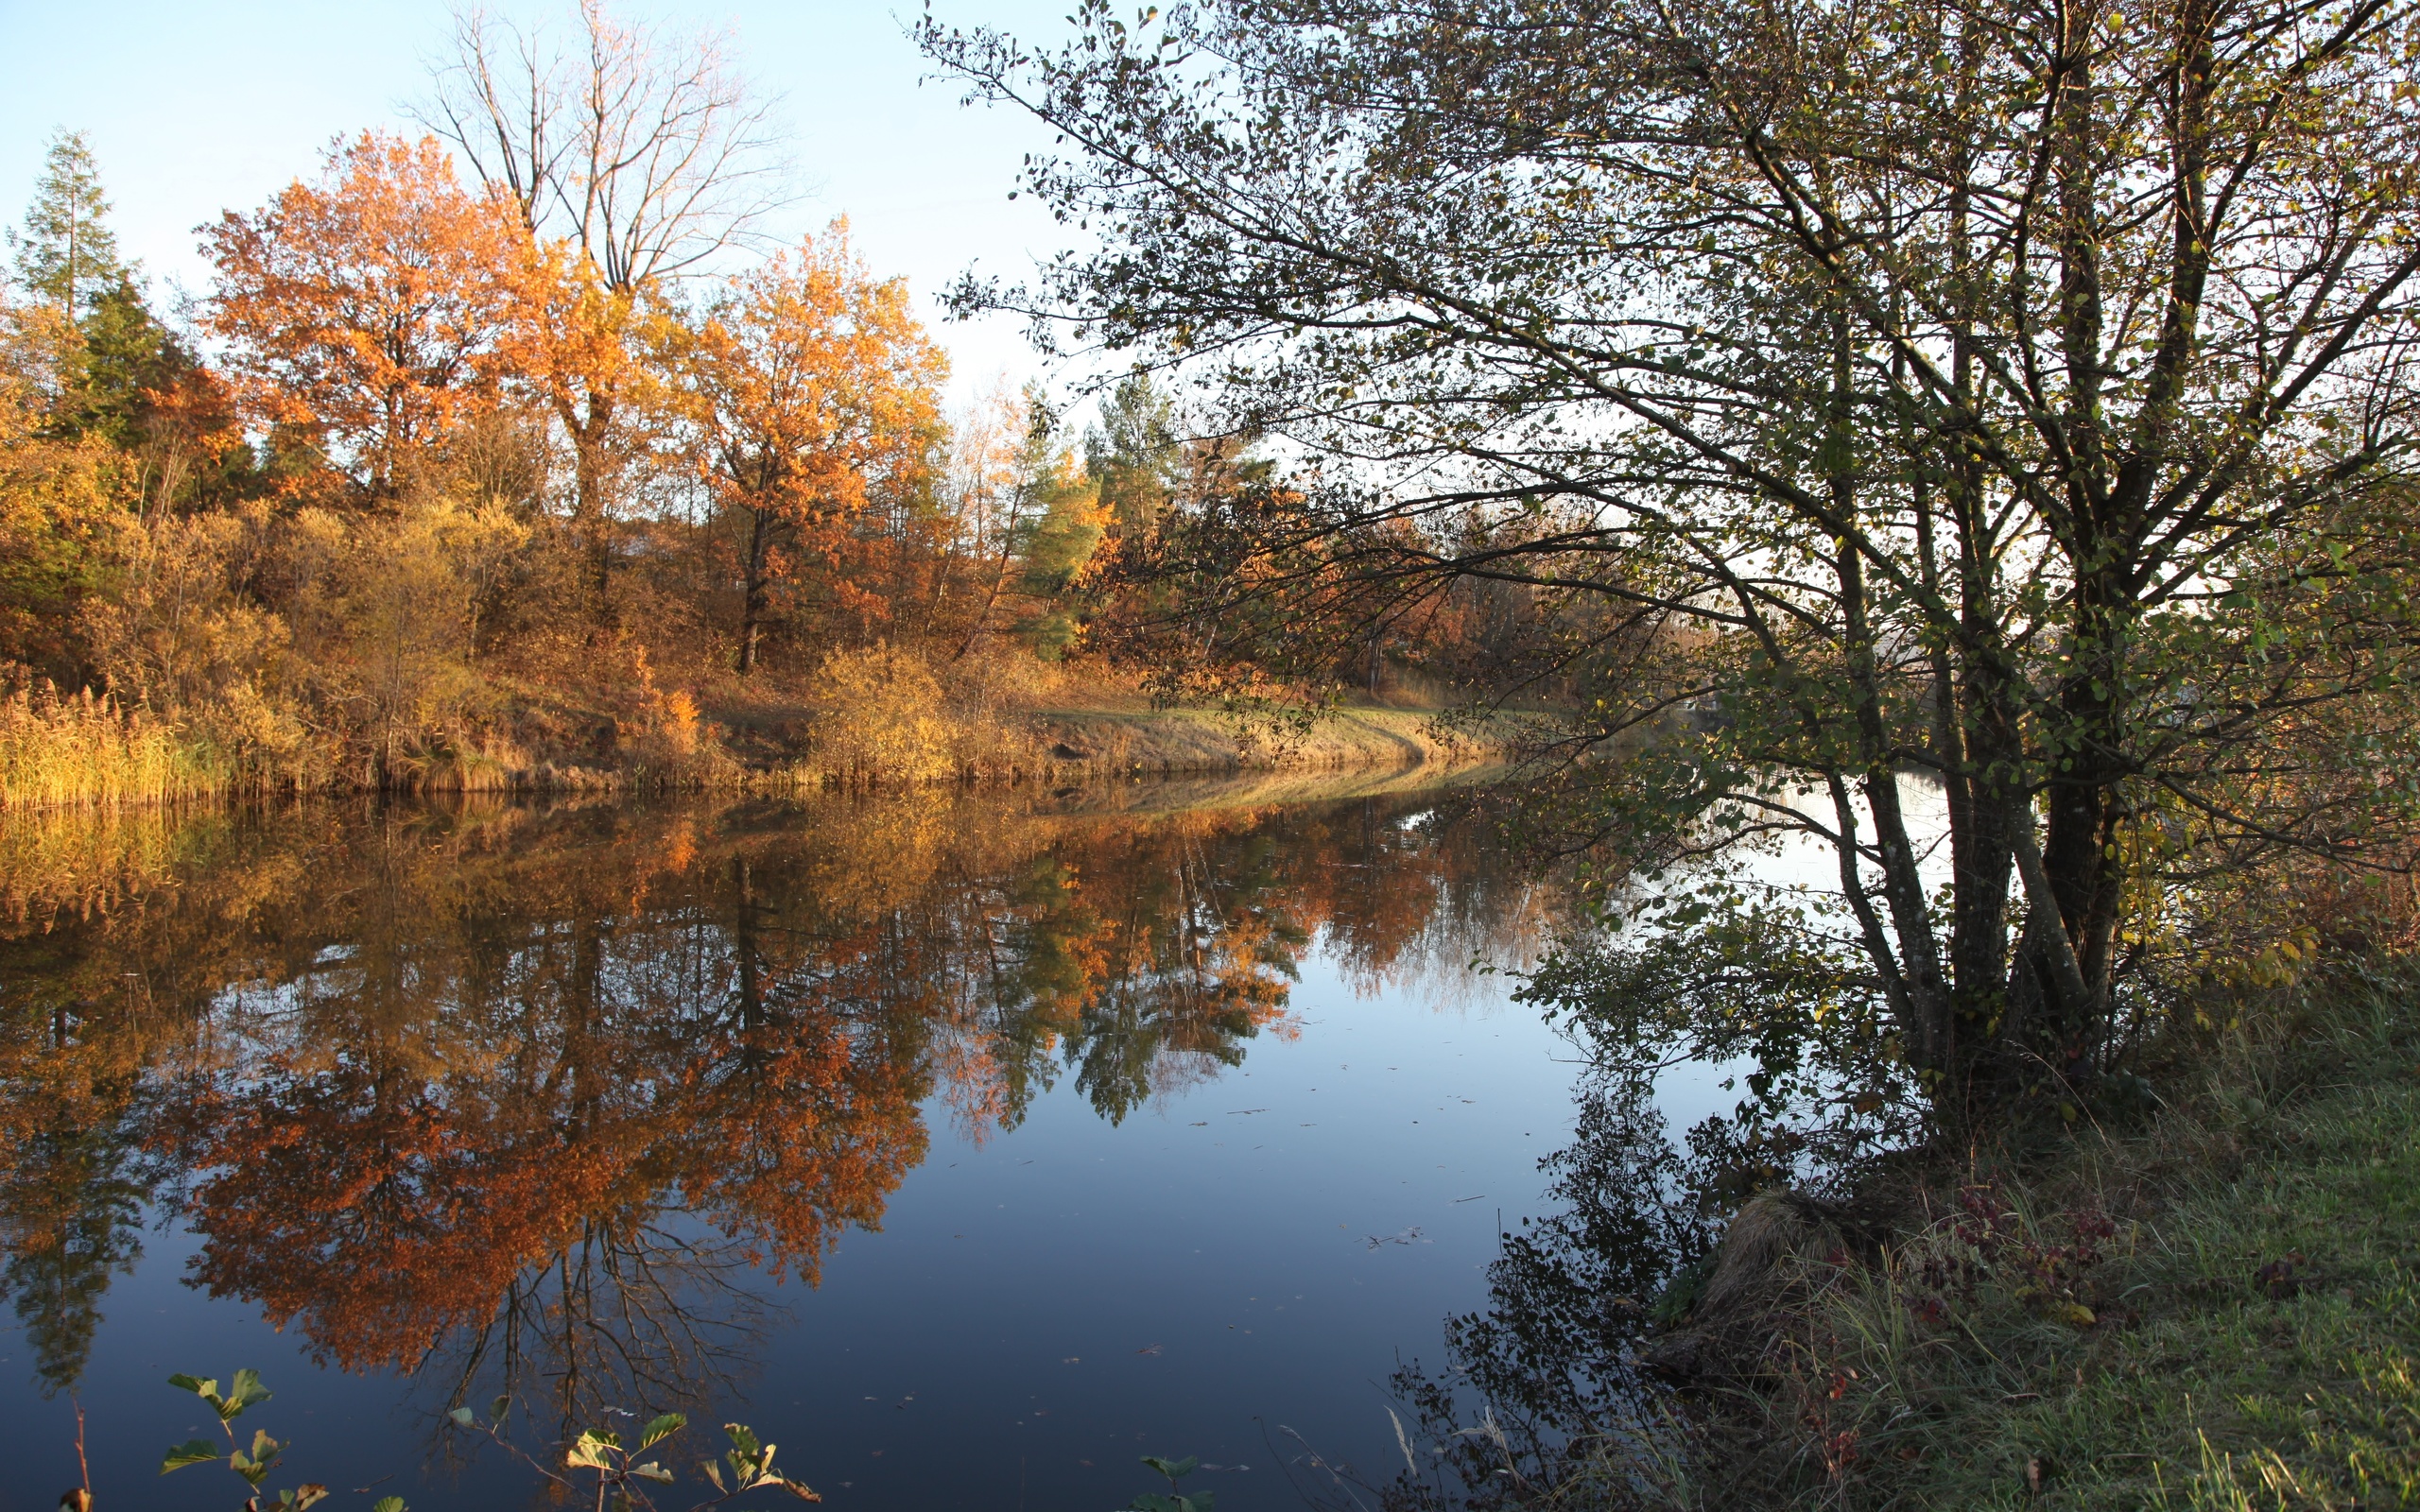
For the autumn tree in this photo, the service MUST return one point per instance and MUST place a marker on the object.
(2013, 395)
(640, 155)
(811, 390)
(1030, 516)
(59, 484)
(369, 309)
(986, 488)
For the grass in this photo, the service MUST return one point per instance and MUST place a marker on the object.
(86, 751)
(83, 751)
(2215, 1311)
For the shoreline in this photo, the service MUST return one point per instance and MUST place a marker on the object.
(1038, 747)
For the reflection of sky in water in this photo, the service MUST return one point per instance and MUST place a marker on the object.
(1253, 1248)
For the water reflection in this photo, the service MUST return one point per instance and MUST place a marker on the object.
(520, 1099)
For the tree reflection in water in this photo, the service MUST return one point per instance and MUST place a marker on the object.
(522, 1100)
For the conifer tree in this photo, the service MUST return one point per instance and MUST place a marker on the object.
(66, 254)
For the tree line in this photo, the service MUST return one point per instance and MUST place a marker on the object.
(516, 447)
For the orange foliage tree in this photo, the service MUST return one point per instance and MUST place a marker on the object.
(811, 389)
(577, 347)
(372, 307)
(641, 152)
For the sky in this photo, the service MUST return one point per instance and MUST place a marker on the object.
(194, 108)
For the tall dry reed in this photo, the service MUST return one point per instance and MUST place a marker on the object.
(80, 750)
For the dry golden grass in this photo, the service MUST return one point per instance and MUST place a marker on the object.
(87, 752)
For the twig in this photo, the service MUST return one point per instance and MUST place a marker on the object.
(81, 1468)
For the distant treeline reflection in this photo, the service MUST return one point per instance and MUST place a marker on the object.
(520, 1097)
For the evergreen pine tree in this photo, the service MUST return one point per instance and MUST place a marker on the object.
(1134, 451)
(66, 254)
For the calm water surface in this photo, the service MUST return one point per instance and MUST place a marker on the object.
(968, 1149)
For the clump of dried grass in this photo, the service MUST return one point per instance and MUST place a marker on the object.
(82, 750)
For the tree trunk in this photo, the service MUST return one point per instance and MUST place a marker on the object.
(592, 484)
(756, 601)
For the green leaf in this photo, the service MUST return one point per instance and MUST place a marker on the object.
(194, 1452)
(388, 1503)
(463, 1416)
(202, 1386)
(1174, 1470)
(662, 1429)
(1155, 1502)
(501, 1406)
(255, 1466)
(310, 1493)
(742, 1438)
(591, 1450)
(248, 1391)
(652, 1471)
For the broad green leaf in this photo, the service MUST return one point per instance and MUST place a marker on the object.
(742, 1438)
(248, 1392)
(193, 1452)
(652, 1471)
(501, 1406)
(463, 1416)
(199, 1385)
(310, 1493)
(388, 1503)
(1155, 1502)
(1174, 1470)
(662, 1429)
(589, 1452)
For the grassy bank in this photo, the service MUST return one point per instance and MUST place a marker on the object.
(2215, 1308)
(1163, 742)
(85, 753)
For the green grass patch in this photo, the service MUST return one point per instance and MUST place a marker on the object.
(2215, 1311)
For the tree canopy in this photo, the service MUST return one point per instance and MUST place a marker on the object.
(2012, 398)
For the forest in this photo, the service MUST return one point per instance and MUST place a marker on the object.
(1919, 497)
(477, 467)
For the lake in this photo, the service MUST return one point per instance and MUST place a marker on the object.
(966, 1147)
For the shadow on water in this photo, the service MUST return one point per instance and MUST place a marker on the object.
(518, 1099)
(1535, 1385)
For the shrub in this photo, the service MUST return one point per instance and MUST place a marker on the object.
(885, 721)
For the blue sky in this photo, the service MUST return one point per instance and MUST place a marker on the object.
(195, 108)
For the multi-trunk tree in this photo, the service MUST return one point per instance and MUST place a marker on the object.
(811, 392)
(640, 156)
(2014, 398)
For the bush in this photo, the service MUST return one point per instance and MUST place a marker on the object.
(886, 719)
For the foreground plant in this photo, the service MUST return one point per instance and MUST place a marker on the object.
(253, 1463)
(1175, 1500)
(623, 1471)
